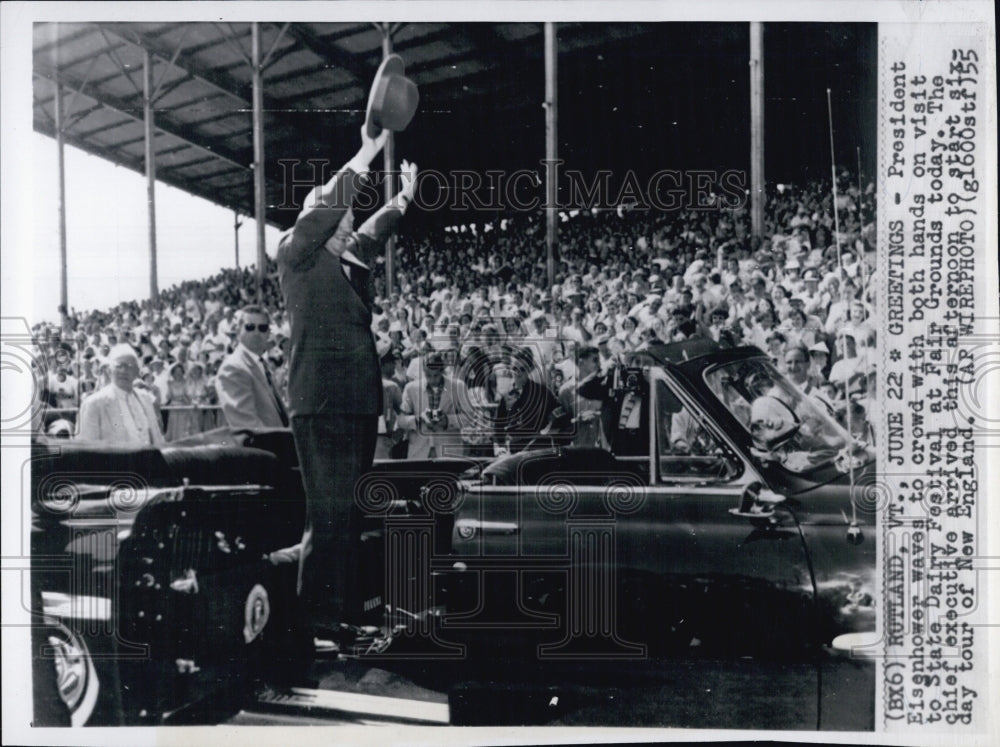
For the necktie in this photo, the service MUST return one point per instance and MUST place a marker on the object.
(274, 392)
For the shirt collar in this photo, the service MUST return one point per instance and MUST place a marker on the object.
(351, 258)
(247, 351)
(119, 392)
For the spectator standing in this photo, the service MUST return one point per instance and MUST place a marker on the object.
(524, 408)
(389, 433)
(120, 413)
(182, 420)
(585, 413)
(245, 381)
(431, 412)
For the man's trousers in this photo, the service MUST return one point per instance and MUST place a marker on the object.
(334, 452)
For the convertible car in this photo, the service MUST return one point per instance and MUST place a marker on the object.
(724, 544)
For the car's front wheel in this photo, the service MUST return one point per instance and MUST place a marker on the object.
(65, 662)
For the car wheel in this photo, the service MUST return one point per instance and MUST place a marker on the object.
(73, 669)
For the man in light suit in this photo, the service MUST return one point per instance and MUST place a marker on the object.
(334, 379)
(245, 382)
(431, 412)
(120, 412)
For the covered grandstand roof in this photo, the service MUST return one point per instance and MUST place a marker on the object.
(481, 87)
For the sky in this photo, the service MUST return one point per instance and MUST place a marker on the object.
(106, 233)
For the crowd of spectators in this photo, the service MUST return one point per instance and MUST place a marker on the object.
(469, 297)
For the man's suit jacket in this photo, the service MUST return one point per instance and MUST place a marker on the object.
(244, 394)
(101, 418)
(521, 422)
(416, 399)
(334, 367)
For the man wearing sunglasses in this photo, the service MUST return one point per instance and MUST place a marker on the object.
(245, 381)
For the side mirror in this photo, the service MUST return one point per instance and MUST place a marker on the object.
(854, 534)
(757, 503)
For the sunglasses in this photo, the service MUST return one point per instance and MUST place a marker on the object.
(259, 327)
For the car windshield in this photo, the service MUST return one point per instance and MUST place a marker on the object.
(784, 424)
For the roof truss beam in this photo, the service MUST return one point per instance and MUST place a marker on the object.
(135, 163)
(163, 122)
(330, 53)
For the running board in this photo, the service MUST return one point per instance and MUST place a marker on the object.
(356, 706)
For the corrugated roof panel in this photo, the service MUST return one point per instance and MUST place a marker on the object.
(330, 32)
(349, 99)
(369, 40)
(517, 31)
(75, 40)
(193, 35)
(111, 138)
(425, 56)
(412, 32)
(317, 82)
(219, 109)
(289, 62)
(179, 161)
(101, 121)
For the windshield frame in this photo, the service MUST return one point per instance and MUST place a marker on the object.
(812, 409)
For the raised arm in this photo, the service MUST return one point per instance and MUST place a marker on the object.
(374, 232)
(326, 205)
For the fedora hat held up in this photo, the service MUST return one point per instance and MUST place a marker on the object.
(393, 98)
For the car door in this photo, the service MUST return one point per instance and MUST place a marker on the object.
(668, 568)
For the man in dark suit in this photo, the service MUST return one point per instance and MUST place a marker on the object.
(334, 380)
(525, 409)
(245, 382)
(624, 394)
